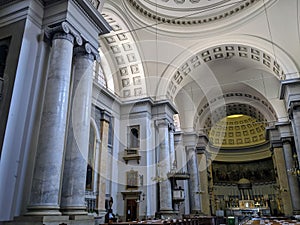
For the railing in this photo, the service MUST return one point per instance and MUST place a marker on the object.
(90, 201)
(179, 175)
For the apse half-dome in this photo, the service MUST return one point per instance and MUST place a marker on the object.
(236, 131)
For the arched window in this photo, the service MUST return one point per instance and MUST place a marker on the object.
(134, 137)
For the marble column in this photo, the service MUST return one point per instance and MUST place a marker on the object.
(212, 200)
(165, 191)
(202, 170)
(292, 179)
(284, 197)
(103, 162)
(193, 181)
(294, 113)
(76, 156)
(46, 183)
(172, 147)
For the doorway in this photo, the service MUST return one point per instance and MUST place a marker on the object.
(131, 210)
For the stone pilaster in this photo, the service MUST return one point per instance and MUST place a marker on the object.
(292, 179)
(46, 183)
(103, 162)
(294, 114)
(165, 198)
(194, 180)
(74, 176)
(290, 92)
(283, 193)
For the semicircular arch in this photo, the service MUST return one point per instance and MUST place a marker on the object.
(264, 53)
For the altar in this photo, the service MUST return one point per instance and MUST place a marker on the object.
(247, 204)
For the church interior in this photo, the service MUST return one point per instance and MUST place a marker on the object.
(128, 111)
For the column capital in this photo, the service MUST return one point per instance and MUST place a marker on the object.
(294, 106)
(286, 140)
(172, 127)
(201, 150)
(162, 122)
(63, 31)
(276, 144)
(105, 116)
(190, 148)
(87, 50)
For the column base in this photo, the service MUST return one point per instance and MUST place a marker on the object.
(196, 212)
(168, 214)
(43, 211)
(51, 220)
(297, 216)
(74, 210)
(100, 218)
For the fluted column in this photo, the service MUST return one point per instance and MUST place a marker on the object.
(46, 183)
(74, 176)
(172, 147)
(193, 181)
(292, 179)
(284, 198)
(165, 198)
(103, 162)
(294, 113)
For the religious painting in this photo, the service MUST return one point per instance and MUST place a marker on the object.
(259, 171)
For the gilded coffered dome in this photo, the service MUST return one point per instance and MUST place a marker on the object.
(237, 130)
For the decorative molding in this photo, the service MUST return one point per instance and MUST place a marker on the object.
(185, 21)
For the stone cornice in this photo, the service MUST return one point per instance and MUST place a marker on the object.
(285, 83)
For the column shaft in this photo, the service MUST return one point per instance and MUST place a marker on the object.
(283, 192)
(165, 191)
(45, 190)
(293, 181)
(102, 169)
(75, 166)
(193, 181)
(202, 169)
